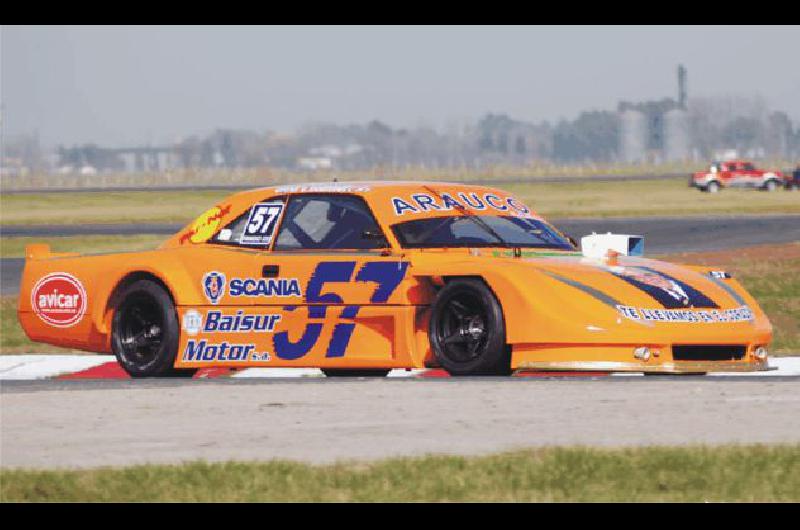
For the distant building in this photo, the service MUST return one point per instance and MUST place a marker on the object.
(655, 131)
(314, 163)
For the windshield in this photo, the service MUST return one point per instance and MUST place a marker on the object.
(467, 231)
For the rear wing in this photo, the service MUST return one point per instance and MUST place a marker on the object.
(42, 251)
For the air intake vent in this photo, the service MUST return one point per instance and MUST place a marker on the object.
(708, 352)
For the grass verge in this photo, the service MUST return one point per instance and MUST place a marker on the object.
(107, 207)
(14, 247)
(647, 198)
(678, 474)
(771, 273)
(13, 340)
(576, 199)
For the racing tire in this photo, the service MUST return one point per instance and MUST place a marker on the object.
(712, 187)
(467, 330)
(353, 372)
(145, 332)
(770, 185)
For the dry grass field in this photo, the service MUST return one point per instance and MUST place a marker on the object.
(573, 199)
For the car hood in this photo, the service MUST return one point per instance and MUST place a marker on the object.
(627, 282)
(641, 282)
(557, 296)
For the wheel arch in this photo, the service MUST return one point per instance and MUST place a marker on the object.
(129, 279)
(509, 293)
(104, 312)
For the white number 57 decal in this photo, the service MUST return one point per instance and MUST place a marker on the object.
(261, 223)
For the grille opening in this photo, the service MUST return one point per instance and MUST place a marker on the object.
(708, 352)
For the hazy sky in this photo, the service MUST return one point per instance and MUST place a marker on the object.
(129, 85)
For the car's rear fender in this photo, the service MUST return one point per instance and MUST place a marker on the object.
(102, 277)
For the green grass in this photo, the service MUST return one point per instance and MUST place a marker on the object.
(779, 297)
(14, 247)
(575, 199)
(693, 474)
(13, 340)
(107, 207)
(647, 198)
(772, 275)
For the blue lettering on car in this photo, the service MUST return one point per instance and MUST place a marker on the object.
(216, 321)
(387, 275)
(279, 287)
(202, 351)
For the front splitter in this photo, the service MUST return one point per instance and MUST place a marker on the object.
(682, 367)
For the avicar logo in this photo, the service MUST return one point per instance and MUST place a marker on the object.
(59, 299)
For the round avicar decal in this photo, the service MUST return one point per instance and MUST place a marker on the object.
(59, 299)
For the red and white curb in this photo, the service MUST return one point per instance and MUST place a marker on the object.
(29, 367)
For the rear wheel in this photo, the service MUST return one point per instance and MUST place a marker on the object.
(770, 185)
(467, 330)
(145, 332)
(712, 187)
(348, 372)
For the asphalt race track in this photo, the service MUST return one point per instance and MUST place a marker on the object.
(100, 423)
(662, 234)
(87, 423)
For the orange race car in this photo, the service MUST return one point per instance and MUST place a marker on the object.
(360, 278)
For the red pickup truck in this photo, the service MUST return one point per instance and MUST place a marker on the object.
(737, 173)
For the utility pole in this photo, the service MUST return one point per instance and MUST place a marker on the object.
(682, 95)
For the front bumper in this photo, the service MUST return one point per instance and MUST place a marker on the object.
(671, 367)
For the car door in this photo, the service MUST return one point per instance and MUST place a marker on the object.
(356, 309)
(230, 268)
(300, 280)
(740, 176)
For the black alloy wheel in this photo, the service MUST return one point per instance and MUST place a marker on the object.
(145, 332)
(467, 330)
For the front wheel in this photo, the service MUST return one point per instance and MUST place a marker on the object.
(712, 187)
(145, 332)
(770, 186)
(467, 330)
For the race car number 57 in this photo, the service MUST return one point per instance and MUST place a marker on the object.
(261, 223)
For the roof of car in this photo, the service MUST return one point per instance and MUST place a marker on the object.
(375, 184)
(362, 187)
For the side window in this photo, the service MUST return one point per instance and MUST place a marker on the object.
(255, 227)
(329, 222)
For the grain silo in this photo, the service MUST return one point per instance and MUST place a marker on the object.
(633, 135)
(676, 135)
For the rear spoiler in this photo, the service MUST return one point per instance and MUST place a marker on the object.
(42, 251)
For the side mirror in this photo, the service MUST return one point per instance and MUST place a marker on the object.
(376, 236)
(572, 240)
